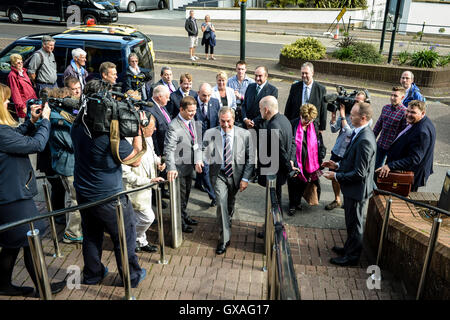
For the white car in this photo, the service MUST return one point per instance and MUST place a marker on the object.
(134, 5)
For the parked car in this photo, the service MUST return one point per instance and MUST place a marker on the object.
(99, 48)
(135, 5)
(56, 10)
(116, 29)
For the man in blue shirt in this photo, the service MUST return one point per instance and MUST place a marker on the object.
(97, 176)
(239, 83)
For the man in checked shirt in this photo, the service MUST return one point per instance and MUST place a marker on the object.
(390, 123)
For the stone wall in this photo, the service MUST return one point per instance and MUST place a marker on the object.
(405, 247)
(424, 77)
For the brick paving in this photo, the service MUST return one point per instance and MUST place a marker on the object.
(195, 272)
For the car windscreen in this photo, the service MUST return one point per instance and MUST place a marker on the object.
(144, 56)
(24, 50)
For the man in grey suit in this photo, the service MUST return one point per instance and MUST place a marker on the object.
(183, 151)
(227, 151)
(355, 176)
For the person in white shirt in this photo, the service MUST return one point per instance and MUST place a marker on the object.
(221, 92)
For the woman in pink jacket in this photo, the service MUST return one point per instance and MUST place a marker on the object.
(21, 87)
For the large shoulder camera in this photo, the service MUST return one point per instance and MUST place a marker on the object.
(104, 106)
(342, 97)
(67, 104)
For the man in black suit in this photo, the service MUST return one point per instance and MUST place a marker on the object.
(273, 161)
(166, 80)
(307, 91)
(160, 98)
(255, 92)
(355, 176)
(413, 148)
(185, 90)
(208, 115)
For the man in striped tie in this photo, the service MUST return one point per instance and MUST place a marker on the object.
(227, 150)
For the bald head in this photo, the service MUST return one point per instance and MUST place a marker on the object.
(268, 106)
(204, 92)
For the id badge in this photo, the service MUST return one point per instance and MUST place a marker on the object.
(195, 147)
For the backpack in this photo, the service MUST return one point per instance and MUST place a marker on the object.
(27, 61)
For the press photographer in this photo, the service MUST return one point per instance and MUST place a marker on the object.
(17, 189)
(136, 79)
(341, 122)
(98, 175)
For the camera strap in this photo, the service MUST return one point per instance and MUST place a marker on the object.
(114, 138)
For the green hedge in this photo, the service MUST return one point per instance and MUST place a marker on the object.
(307, 49)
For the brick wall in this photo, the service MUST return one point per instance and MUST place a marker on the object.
(425, 78)
(405, 247)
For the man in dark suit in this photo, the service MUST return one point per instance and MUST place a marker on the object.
(183, 151)
(227, 151)
(355, 176)
(307, 91)
(274, 161)
(413, 148)
(166, 80)
(255, 92)
(159, 99)
(208, 115)
(175, 97)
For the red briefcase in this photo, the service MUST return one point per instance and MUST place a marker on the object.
(398, 182)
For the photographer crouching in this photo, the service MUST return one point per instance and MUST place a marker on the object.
(98, 174)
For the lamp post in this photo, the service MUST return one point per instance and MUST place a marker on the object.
(243, 27)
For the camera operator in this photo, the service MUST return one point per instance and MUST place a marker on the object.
(343, 125)
(61, 152)
(74, 85)
(17, 189)
(136, 79)
(97, 175)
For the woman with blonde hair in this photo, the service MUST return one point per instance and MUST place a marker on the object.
(308, 156)
(221, 92)
(21, 87)
(17, 189)
(209, 37)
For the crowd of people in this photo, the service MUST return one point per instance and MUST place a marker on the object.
(225, 136)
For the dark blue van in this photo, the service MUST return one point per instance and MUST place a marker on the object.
(99, 48)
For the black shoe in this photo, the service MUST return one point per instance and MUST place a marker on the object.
(344, 261)
(187, 229)
(260, 235)
(190, 221)
(56, 288)
(13, 290)
(199, 187)
(291, 211)
(146, 248)
(339, 250)
(213, 203)
(222, 248)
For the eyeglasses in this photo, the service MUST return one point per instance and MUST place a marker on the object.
(19, 61)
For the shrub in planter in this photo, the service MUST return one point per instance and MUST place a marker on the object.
(403, 57)
(306, 49)
(345, 54)
(425, 59)
(359, 52)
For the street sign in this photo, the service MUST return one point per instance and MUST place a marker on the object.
(339, 17)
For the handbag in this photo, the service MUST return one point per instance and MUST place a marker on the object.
(398, 182)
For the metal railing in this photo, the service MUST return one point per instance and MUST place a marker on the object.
(281, 278)
(434, 234)
(36, 245)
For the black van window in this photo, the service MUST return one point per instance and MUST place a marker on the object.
(24, 50)
(61, 58)
(96, 56)
(144, 55)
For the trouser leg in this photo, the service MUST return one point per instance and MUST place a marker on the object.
(73, 227)
(354, 220)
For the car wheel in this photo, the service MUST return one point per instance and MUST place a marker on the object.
(15, 16)
(89, 16)
(161, 4)
(131, 7)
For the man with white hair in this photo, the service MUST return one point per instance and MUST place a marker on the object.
(160, 98)
(77, 67)
(412, 91)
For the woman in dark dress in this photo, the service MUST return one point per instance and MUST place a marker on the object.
(307, 160)
(17, 189)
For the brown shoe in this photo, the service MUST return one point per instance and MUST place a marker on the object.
(332, 205)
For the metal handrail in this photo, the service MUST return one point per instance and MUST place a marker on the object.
(36, 246)
(434, 234)
(281, 277)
